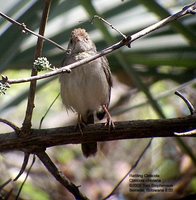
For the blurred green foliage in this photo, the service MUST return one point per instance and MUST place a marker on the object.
(155, 64)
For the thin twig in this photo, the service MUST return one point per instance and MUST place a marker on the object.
(132, 168)
(10, 124)
(41, 121)
(25, 30)
(24, 165)
(188, 103)
(109, 24)
(124, 42)
(60, 177)
(28, 172)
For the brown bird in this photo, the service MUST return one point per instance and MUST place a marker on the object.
(87, 88)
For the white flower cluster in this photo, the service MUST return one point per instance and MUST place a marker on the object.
(41, 64)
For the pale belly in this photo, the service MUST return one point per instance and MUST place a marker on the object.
(85, 89)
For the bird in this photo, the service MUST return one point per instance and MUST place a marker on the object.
(87, 89)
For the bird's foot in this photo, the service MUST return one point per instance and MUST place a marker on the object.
(109, 122)
(80, 125)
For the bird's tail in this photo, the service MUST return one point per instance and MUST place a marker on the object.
(89, 149)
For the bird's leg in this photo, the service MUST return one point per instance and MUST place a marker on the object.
(109, 122)
(80, 124)
(83, 121)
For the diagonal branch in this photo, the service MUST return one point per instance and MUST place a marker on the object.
(130, 170)
(10, 124)
(25, 30)
(190, 9)
(28, 172)
(24, 165)
(59, 176)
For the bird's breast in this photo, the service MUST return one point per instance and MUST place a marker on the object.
(86, 87)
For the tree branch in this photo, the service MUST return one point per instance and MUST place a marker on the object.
(25, 30)
(188, 103)
(59, 176)
(44, 138)
(130, 170)
(24, 165)
(10, 124)
(38, 53)
(190, 9)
